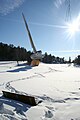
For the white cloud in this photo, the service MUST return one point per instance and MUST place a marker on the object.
(7, 6)
(58, 3)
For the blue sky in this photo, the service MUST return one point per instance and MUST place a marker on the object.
(46, 20)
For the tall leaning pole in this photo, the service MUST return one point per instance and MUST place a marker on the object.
(36, 56)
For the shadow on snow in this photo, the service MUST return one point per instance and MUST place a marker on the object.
(19, 107)
(25, 68)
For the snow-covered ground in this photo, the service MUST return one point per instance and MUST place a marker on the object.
(56, 85)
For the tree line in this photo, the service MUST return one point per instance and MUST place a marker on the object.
(12, 53)
(76, 61)
(52, 59)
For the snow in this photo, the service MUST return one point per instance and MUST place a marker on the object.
(57, 86)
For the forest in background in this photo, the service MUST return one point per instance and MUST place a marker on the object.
(12, 53)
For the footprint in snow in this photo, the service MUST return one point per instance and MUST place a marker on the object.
(50, 108)
(48, 114)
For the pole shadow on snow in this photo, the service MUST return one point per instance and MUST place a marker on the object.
(21, 68)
